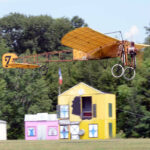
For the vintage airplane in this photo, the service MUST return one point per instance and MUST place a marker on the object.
(87, 44)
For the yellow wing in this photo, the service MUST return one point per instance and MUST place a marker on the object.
(89, 43)
(141, 46)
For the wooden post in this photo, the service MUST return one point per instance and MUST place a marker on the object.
(59, 90)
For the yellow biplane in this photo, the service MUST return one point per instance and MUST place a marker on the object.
(87, 44)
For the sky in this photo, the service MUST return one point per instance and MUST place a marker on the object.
(128, 16)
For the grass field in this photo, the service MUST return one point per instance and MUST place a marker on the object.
(113, 144)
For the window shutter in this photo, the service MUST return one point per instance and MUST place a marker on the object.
(58, 111)
(76, 106)
(110, 129)
(94, 110)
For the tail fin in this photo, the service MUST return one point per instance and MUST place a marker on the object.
(8, 58)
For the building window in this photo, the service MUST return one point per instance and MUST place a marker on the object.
(110, 129)
(31, 131)
(52, 131)
(64, 132)
(64, 111)
(93, 130)
(110, 109)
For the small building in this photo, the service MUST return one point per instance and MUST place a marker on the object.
(41, 126)
(3, 130)
(86, 113)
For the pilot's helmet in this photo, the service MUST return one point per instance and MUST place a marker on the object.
(132, 44)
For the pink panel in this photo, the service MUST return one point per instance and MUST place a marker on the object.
(52, 129)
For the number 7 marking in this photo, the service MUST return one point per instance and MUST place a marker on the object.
(7, 59)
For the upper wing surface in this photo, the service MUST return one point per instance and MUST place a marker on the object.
(86, 39)
(141, 46)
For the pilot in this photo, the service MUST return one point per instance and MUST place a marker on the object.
(132, 52)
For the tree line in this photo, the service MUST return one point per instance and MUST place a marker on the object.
(32, 91)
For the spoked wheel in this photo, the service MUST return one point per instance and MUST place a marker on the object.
(117, 70)
(129, 73)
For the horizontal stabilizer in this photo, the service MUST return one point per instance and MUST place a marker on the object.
(23, 65)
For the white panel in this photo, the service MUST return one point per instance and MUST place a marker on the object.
(41, 117)
(30, 118)
(41, 131)
(52, 117)
(2, 121)
(64, 122)
(74, 129)
(3, 131)
(75, 137)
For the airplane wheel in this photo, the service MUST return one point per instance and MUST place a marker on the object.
(129, 73)
(117, 70)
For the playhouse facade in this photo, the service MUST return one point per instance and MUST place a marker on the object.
(41, 126)
(86, 113)
(83, 112)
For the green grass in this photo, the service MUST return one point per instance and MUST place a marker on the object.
(113, 144)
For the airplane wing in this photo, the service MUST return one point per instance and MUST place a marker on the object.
(141, 46)
(90, 42)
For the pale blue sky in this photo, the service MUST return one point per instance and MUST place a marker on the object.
(129, 16)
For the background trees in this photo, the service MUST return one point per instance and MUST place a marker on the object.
(30, 91)
(36, 33)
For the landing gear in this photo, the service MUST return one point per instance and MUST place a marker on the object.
(127, 54)
(129, 73)
(118, 71)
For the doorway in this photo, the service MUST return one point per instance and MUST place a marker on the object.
(87, 107)
(41, 132)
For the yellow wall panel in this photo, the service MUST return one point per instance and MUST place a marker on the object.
(85, 126)
(80, 89)
(109, 98)
(64, 100)
(100, 105)
(107, 128)
(101, 100)
(103, 128)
